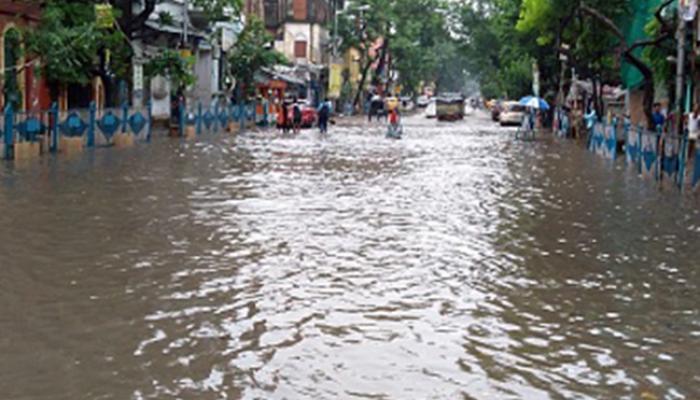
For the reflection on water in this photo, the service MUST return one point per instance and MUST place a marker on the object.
(453, 264)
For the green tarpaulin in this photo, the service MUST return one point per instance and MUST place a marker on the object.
(642, 12)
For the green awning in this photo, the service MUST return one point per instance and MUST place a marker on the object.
(633, 27)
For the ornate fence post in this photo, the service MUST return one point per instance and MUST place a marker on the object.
(54, 127)
(639, 160)
(199, 118)
(91, 125)
(266, 105)
(149, 132)
(182, 118)
(9, 132)
(242, 114)
(215, 122)
(125, 116)
(682, 160)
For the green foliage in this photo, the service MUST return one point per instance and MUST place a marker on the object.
(497, 53)
(13, 54)
(165, 18)
(657, 57)
(216, 10)
(171, 64)
(420, 43)
(68, 42)
(252, 52)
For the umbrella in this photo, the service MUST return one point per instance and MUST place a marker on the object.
(534, 102)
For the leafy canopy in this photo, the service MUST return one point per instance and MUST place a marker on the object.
(252, 52)
(68, 41)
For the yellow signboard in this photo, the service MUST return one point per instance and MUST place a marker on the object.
(335, 81)
(104, 16)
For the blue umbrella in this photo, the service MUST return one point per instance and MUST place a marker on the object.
(534, 102)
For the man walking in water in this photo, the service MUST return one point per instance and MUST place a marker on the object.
(324, 113)
(296, 114)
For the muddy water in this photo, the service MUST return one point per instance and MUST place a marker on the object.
(453, 264)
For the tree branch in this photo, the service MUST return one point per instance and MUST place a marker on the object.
(138, 21)
(664, 25)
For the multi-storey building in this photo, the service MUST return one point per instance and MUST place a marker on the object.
(299, 27)
(20, 86)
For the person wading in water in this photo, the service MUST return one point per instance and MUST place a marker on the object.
(296, 113)
(324, 113)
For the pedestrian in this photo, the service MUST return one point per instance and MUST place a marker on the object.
(375, 107)
(283, 118)
(368, 106)
(693, 129)
(324, 113)
(658, 117)
(296, 115)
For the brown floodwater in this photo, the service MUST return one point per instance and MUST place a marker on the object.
(456, 263)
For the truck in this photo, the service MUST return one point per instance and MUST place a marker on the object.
(450, 107)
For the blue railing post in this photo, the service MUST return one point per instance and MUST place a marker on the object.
(54, 127)
(9, 132)
(682, 159)
(149, 132)
(216, 123)
(182, 119)
(241, 107)
(125, 116)
(266, 104)
(91, 125)
(199, 118)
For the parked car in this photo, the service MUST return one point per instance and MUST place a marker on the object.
(431, 109)
(450, 107)
(423, 101)
(495, 110)
(406, 103)
(309, 115)
(513, 113)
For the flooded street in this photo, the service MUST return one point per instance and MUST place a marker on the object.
(453, 264)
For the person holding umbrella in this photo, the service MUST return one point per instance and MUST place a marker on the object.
(535, 105)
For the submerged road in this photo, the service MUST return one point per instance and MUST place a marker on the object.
(453, 264)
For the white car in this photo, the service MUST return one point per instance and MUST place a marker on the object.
(423, 101)
(431, 110)
(513, 113)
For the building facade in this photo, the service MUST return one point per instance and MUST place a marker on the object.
(21, 88)
(299, 27)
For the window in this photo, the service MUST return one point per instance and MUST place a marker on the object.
(300, 49)
(300, 10)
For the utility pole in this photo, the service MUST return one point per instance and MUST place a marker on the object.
(186, 23)
(680, 70)
(335, 30)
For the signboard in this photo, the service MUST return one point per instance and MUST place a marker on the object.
(104, 16)
(138, 77)
(688, 9)
(335, 81)
(228, 38)
(535, 79)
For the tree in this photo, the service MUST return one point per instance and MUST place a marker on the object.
(496, 53)
(132, 24)
(171, 64)
(399, 35)
(68, 41)
(251, 53)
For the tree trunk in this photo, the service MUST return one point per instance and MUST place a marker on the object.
(363, 79)
(628, 55)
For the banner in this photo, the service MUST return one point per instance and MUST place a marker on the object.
(633, 146)
(649, 156)
(104, 16)
(335, 81)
